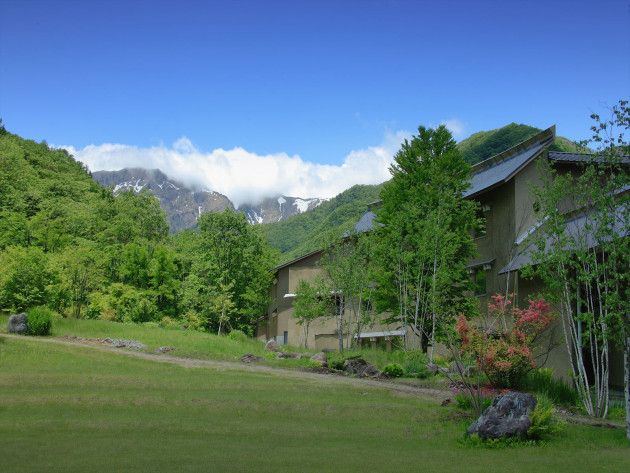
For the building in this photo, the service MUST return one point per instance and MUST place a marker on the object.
(502, 185)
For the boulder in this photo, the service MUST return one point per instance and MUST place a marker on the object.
(508, 416)
(18, 323)
(360, 367)
(250, 358)
(271, 345)
(432, 368)
(320, 358)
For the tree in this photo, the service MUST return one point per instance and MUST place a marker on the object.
(231, 273)
(582, 254)
(425, 239)
(24, 278)
(311, 302)
(346, 274)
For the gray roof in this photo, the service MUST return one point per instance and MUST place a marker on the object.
(365, 223)
(502, 167)
(581, 157)
(579, 231)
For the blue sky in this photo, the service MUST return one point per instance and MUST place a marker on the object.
(307, 82)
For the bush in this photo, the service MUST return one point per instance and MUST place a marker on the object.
(394, 370)
(39, 321)
(506, 358)
(414, 368)
(237, 336)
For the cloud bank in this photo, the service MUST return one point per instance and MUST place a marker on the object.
(246, 177)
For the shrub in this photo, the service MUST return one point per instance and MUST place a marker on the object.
(237, 336)
(394, 370)
(506, 358)
(414, 368)
(39, 321)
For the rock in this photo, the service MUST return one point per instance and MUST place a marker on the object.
(433, 368)
(320, 358)
(18, 323)
(164, 349)
(250, 358)
(507, 417)
(306, 354)
(282, 355)
(122, 343)
(458, 368)
(360, 367)
(271, 345)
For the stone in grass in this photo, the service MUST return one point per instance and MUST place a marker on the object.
(18, 323)
(320, 358)
(360, 367)
(508, 416)
(271, 345)
(250, 358)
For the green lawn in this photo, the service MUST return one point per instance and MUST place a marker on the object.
(70, 408)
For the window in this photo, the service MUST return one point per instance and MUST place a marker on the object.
(479, 280)
(480, 230)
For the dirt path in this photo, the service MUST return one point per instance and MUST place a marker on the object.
(396, 387)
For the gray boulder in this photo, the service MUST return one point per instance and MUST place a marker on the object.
(508, 416)
(320, 358)
(271, 345)
(360, 367)
(18, 323)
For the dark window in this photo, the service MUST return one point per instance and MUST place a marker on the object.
(480, 282)
(286, 338)
(480, 230)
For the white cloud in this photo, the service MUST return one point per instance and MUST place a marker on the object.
(247, 177)
(457, 128)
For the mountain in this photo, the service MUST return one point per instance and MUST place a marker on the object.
(183, 205)
(276, 209)
(308, 231)
(485, 144)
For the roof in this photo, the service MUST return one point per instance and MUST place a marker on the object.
(581, 157)
(580, 229)
(502, 167)
(365, 223)
(393, 333)
(273, 270)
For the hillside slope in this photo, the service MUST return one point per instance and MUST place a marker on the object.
(485, 144)
(305, 232)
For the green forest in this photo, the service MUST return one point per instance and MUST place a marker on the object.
(70, 245)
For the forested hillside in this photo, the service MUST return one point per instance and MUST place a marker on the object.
(485, 144)
(70, 245)
(306, 232)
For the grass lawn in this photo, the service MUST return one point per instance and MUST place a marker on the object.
(72, 408)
